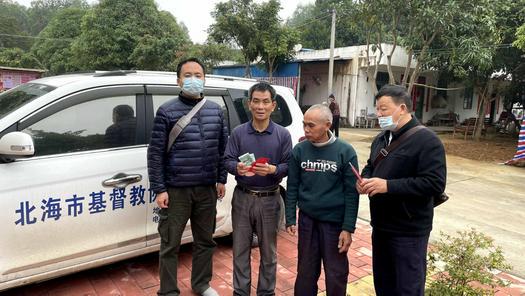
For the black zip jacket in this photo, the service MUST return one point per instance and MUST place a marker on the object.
(415, 172)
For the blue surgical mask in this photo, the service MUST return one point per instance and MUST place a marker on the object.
(387, 122)
(193, 86)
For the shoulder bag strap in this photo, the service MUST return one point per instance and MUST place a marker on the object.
(384, 151)
(182, 123)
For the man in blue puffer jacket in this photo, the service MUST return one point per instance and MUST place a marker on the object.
(188, 179)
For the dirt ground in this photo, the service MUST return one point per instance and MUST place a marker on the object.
(496, 148)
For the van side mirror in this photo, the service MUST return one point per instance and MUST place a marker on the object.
(16, 145)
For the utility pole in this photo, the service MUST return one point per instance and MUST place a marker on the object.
(331, 61)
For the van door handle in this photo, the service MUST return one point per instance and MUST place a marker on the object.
(121, 180)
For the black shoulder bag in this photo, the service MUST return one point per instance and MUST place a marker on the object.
(438, 199)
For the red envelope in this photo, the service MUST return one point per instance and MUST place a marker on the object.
(262, 160)
(356, 173)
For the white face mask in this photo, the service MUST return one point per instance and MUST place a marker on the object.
(193, 86)
(387, 122)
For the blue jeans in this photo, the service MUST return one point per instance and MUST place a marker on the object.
(318, 242)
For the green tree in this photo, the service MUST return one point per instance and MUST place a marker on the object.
(510, 60)
(42, 11)
(520, 38)
(276, 40)
(209, 53)
(128, 35)
(313, 23)
(235, 25)
(13, 25)
(16, 57)
(54, 48)
(473, 44)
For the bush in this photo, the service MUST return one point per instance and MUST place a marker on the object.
(464, 265)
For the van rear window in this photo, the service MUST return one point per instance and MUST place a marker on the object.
(20, 95)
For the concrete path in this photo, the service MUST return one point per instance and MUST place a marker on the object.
(489, 197)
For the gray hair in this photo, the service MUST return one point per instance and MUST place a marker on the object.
(324, 111)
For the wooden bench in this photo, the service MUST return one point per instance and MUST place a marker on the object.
(467, 128)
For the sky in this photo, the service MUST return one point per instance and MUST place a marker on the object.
(195, 14)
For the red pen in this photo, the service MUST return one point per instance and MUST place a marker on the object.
(356, 172)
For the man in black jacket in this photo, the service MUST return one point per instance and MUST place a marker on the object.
(401, 189)
(188, 179)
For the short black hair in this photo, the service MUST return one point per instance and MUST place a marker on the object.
(331, 96)
(262, 87)
(398, 93)
(195, 60)
(123, 112)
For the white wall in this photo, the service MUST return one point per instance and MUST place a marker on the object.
(314, 80)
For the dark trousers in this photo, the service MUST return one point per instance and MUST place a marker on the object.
(198, 204)
(260, 215)
(399, 264)
(335, 125)
(318, 241)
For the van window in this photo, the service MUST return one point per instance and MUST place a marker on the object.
(102, 123)
(281, 115)
(20, 95)
(158, 100)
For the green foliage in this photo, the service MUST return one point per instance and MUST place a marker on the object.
(16, 57)
(313, 23)
(128, 35)
(458, 265)
(520, 38)
(276, 40)
(42, 11)
(255, 29)
(13, 21)
(209, 53)
(234, 24)
(54, 49)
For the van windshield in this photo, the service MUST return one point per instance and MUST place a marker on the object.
(20, 95)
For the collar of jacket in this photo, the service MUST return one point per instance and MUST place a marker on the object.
(189, 101)
(331, 140)
(413, 122)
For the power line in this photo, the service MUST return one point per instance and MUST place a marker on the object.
(326, 15)
(36, 37)
(446, 50)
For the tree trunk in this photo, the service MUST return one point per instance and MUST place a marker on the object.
(391, 78)
(270, 71)
(379, 39)
(420, 58)
(413, 77)
(407, 69)
(247, 70)
(481, 113)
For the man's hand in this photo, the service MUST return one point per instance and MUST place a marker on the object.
(359, 186)
(242, 169)
(162, 200)
(263, 169)
(374, 186)
(291, 229)
(345, 240)
(221, 190)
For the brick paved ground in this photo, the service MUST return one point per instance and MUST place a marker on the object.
(139, 276)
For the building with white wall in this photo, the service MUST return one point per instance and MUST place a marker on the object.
(355, 92)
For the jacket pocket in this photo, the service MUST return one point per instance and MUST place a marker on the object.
(163, 227)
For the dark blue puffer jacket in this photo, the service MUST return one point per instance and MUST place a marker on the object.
(197, 157)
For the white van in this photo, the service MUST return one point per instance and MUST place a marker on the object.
(70, 199)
